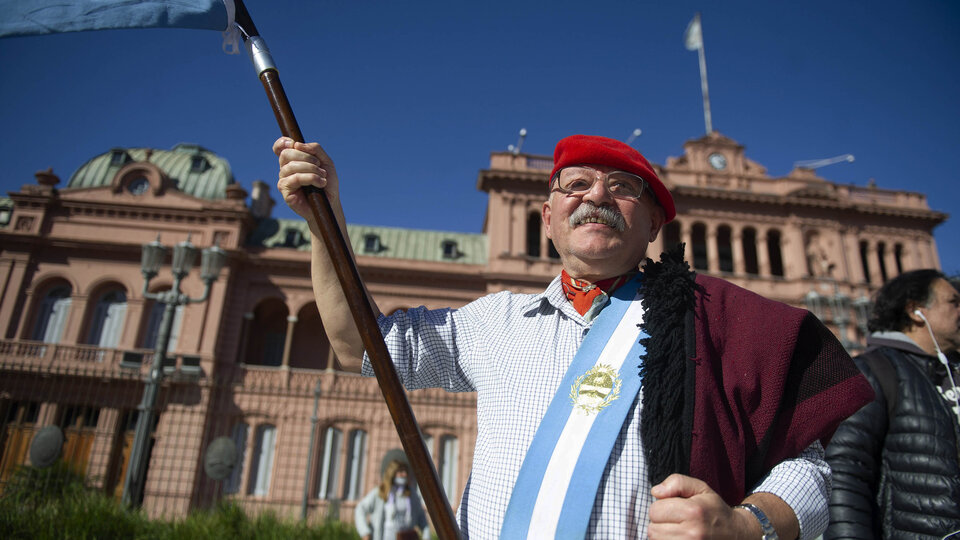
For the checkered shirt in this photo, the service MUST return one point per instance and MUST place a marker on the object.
(513, 350)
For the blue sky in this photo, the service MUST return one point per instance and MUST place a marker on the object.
(411, 97)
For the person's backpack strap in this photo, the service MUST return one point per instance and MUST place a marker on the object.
(881, 365)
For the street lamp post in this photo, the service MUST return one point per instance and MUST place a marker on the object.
(184, 257)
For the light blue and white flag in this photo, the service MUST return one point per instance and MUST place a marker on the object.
(561, 473)
(35, 17)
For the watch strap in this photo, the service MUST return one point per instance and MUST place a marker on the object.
(769, 533)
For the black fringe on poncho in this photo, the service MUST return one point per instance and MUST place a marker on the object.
(667, 371)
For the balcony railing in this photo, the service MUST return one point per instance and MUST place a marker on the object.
(88, 360)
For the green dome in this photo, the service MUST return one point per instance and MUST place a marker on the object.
(193, 169)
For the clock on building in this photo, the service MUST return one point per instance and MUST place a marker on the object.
(717, 161)
(138, 186)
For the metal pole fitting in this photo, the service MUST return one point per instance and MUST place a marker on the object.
(259, 54)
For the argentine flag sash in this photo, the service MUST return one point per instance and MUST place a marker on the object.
(561, 473)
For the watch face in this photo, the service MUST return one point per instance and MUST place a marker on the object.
(717, 161)
(138, 186)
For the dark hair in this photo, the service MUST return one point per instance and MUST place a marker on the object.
(890, 307)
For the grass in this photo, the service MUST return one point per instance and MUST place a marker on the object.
(53, 504)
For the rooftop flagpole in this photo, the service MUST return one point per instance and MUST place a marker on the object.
(693, 40)
(393, 393)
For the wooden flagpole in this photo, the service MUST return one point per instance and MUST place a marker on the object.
(436, 502)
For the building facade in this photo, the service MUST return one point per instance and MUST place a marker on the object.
(252, 364)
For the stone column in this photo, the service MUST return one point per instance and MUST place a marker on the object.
(12, 275)
(288, 341)
(686, 236)
(713, 256)
(792, 253)
(518, 227)
(763, 253)
(890, 260)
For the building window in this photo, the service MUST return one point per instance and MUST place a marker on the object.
(864, 262)
(267, 334)
(118, 157)
(749, 240)
(881, 255)
(262, 464)
(107, 322)
(699, 240)
(292, 238)
(898, 257)
(671, 235)
(371, 243)
(449, 457)
(773, 251)
(533, 235)
(356, 461)
(330, 464)
(240, 433)
(450, 250)
(52, 315)
(724, 248)
(198, 164)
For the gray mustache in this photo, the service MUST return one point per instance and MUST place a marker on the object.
(603, 214)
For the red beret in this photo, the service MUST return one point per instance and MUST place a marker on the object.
(592, 150)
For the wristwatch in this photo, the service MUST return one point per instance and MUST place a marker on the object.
(769, 533)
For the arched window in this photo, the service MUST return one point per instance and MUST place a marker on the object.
(268, 333)
(724, 248)
(881, 255)
(330, 463)
(107, 322)
(533, 235)
(261, 467)
(699, 240)
(671, 235)
(864, 262)
(52, 315)
(153, 327)
(240, 433)
(749, 239)
(773, 250)
(355, 465)
(310, 347)
(449, 458)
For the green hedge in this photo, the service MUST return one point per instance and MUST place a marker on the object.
(52, 503)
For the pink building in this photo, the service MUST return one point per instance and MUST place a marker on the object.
(252, 362)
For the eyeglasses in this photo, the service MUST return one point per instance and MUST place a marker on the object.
(580, 180)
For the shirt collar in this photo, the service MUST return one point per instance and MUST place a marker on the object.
(554, 296)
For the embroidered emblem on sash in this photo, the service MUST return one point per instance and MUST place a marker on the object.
(595, 389)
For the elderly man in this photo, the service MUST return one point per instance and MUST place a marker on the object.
(617, 403)
(895, 462)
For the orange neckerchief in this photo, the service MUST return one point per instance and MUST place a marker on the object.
(582, 293)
